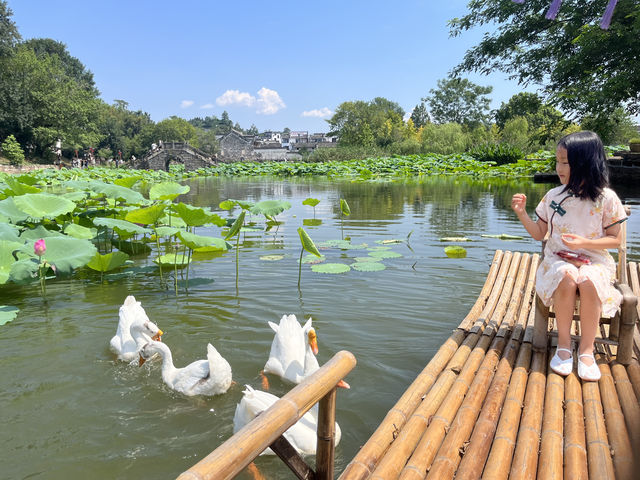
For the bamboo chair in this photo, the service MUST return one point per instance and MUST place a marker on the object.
(617, 332)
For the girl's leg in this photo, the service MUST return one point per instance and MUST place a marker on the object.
(590, 306)
(564, 301)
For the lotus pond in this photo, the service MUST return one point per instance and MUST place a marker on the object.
(70, 410)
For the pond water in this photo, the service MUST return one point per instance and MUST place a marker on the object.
(69, 410)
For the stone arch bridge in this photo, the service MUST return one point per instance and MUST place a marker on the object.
(175, 152)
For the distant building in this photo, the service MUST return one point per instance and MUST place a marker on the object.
(234, 146)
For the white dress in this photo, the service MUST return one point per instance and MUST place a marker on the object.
(565, 213)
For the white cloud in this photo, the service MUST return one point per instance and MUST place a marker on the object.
(208, 105)
(186, 103)
(320, 113)
(269, 102)
(235, 96)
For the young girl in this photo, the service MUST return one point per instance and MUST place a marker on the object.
(582, 217)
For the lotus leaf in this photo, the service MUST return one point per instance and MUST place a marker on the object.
(43, 205)
(132, 248)
(312, 202)
(389, 241)
(504, 236)
(110, 261)
(195, 216)
(455, 252)
(167, 191)
(127, 182)
(313, 259)
(270, 208)
(39, 232)
(379, 248)
(116, 192)
(78, 231)
(455, 239)
(384, 254)
(147, 215)
(227, 204)
(237, 225)
(311, 222)
(195, 282)
(7, 259)
(366, 259)
(9, 232)
(193, 241)
(344, 207)
(307, 243)
(271, 258)
(368, 266)
(330, 268)
(167, 231)
(24, 270)
(16, 188)
(27, 179)
(173, 221)
(11, 212)
(173, 260)
(8, 313)
(66, 253)
(76, 196)
(124, 225)
(220, 245)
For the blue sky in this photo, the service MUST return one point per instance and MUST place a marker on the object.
(273, 64)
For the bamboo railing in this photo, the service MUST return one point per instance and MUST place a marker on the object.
(230, 458)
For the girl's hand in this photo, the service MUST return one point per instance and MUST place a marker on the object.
(519, 203)
(574, 241)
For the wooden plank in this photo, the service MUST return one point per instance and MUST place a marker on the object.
(630, 407)
(598, 451)
(326, 436)
(292, 459)
(575, 448)
(551, 455)
(496, 293)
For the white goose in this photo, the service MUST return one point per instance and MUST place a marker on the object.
(302, 435)
(134, 330)
(293, 351)
(202, 377)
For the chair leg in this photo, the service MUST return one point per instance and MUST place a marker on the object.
(540, 325)
(628, 320)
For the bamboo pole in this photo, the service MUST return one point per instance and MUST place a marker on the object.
(575, 447)
(496, 293)
(634, 281)
(630, 407)
(326, 436)
(616, 427)
(633, 370)
(499, 461)
(406, 441)
(426, 449)
(481, 439)
(236, 453)
(370, 454)
(367, 458)
(525, 457)
(598, 452)
(520, 302)
(448, 457)
(550, 460)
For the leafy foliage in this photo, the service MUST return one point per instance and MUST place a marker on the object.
(11, 149)
(460, 101)
(500, 153)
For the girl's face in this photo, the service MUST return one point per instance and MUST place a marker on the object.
(562, 165)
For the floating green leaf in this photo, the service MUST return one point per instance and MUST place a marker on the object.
(124, 225)
(312, 259)
(173, 260)
(77, 231)
(307, 243)
(167, 191)
(271, 258)
(366, 259)
(504, 236)
(43, 205)
(455, 252)
(219, 245)
(389, 241)
(108, 262)
(368, 266)
(312, 202)
(311, 222)
(270, 208)
(146, 216)
(8, 313)
(344, 207)
(384, 254)
(330, 268)
(455, 239)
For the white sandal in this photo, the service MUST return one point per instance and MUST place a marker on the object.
(560, 366)
(589, 373)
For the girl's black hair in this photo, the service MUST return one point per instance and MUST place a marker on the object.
(588, 173)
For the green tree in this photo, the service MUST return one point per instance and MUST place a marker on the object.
(419, 115)
(458, 100)
(175, 129)
(9, 35)
(12, 151)
(253, 130)
(583, 69)
(614, 129)
(121, 129)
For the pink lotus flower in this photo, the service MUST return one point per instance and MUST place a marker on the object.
(39, 247)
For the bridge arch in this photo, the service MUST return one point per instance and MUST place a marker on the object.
(175, 152)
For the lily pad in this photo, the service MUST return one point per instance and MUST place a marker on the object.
(366, 259)
(8, 313)
(173, 260)
(455, 252)
(455, 239)
(384, 254)
(311, 222)
(312, 259)
(368, 266)
(271, 258)
(330, 268)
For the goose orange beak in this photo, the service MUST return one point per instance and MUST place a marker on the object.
(158, 336)
(343, 384)
(313, 342)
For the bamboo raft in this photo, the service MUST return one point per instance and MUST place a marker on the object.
(487, 405)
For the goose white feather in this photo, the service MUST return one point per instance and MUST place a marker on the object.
(293, 349)
(134, 330)
(302, 435)
(202, 377)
